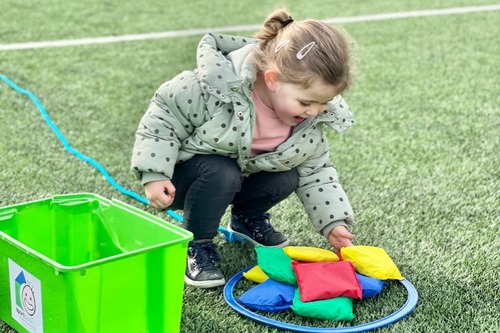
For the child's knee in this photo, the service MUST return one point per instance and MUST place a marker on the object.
(223, 173)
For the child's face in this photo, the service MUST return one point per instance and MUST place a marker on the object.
(293, 103)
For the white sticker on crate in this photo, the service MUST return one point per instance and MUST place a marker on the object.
(26, 298)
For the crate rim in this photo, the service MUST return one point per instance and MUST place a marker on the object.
(59, 268)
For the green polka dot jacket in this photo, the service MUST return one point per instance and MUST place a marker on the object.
(210, 111)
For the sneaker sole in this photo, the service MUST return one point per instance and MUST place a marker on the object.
(205, 284)
(250, 240)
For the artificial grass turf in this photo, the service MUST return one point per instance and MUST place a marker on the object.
(55, 19)
(420, 165)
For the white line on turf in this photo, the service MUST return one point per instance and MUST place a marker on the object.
(201, 31)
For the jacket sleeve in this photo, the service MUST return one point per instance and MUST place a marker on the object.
(175, 110)
(323, 197)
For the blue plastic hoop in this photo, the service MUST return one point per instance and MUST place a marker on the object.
(409, 305)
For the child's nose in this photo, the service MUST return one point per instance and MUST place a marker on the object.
(314, 111)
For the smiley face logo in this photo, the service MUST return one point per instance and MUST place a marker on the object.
(28, 300)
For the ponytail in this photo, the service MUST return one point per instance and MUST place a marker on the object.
(303, 51)
(272, 26)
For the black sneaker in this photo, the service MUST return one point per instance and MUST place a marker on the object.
(257, 230)
(201, 268)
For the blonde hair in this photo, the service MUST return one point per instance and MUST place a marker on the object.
(282, 43)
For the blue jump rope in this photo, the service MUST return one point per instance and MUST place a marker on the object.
(229, 235)
(410, 303)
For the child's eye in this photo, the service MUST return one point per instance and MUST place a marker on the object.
(304, 104)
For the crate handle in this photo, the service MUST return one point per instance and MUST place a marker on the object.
(8, 214)
(61, 201)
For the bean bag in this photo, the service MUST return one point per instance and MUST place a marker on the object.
(370, 286)
(276, 264)
(269, 296)
(324, 280)
(255, 274)
(371, 261)
(340, 308)
(309, 254)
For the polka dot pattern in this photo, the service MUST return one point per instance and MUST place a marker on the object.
(209, 110)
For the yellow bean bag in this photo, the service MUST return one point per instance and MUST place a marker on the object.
(371, 261)
(255, 274)
(309, 254)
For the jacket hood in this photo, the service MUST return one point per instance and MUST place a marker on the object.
(225, 64)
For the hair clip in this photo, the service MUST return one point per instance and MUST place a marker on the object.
(281, 45)
(287, 21)
(305, 50)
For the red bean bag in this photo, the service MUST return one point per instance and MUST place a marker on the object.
(325, 280)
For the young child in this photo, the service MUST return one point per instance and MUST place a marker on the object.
(246, 129)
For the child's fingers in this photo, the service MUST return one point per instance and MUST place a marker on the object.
(350, 236)
(346, 234)
(160, 201)
(170, 190)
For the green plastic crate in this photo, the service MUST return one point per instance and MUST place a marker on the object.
(82, 263)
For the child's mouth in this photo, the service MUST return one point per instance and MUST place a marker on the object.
(298, 120)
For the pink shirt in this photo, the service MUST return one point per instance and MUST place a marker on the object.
(269, 131)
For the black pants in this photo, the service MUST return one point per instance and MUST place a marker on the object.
(207, 184)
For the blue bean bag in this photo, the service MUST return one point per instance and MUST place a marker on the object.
(269, 296)
(370, 286)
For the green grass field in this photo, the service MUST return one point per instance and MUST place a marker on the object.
(421, 165)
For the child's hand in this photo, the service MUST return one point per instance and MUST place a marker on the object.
(160, 194)
(340, 237)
